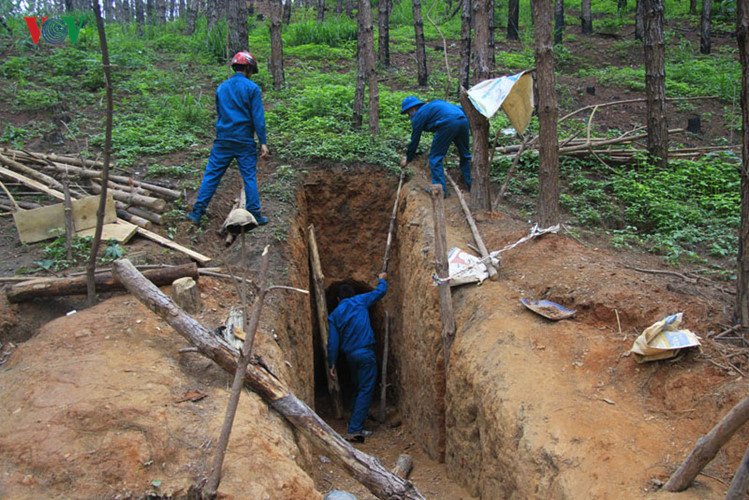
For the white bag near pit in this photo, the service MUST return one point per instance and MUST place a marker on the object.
(466, 268)
(513, 93)
(663, 340)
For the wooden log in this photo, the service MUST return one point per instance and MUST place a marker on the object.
(318, 281)
(384, 375)
(119, 179)
(493, 275)
(364, 468)
(133, 219)
(391, 229)
(186, 294)
(149, 202)
(105, 282)
(30, 172)
(708, 446)
(15, 204)
(443, 271)
(70, 160)
(403, 466)
(200, 258)
(740, 482)
(143, 213)
(31, 183)
(129, 189)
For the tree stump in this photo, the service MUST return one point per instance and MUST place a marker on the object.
(187, 295)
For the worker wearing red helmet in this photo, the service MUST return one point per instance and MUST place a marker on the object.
(239, 107)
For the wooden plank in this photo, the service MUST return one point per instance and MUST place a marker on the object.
(121, 232)
(49, 222)
(198, 257)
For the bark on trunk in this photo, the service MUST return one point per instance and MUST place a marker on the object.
(708, 446)
(60, 287)
(655, 82)
(706, 26)
(740, 483)
(366, 469)
(483, 52)
(480, 195)
(286, 9)
(639, 20)
(139, 17)
(692, 7)
(236, 16)
(464, 77)
(361, 80)
(421, 54)
(108, 10)
(339, 7)
(548, 175)
(366, 33)
(161, 11)
(383, 40)
(513, 20)
(276, 44)
(585, 17)
(150, 12)
(320, 10)
(558, 21)
(492, 39)
(742, 282)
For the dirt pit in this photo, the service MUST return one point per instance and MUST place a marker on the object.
(527, 408)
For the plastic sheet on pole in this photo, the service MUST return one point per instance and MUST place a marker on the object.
(514, 94)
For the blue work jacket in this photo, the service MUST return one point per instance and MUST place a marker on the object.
(430, 117)
(239, 106)
(349, 326)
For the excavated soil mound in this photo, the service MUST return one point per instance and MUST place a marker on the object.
(91, 409)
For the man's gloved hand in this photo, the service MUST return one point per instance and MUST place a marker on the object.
(403, 163)
(264, 151)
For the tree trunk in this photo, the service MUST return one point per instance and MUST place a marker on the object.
(192, 16)
(150, 12)
(339, 7)
(708, 446)
(161, 11)
(350, 8)
(108, 11)
(383, 37)
(639, 20)
(655, 82)
(361, 80)
(513, 19)
(276, 44)
(367, 57)
(740, 483)
(586, 19)
(492, 39)
(692, 7)
(706, 26)
(742, 281)
(421, 53)
(182, 8)
(364, 468)
(480, 195)
(139, 17)
(464, 78)
(320, 10)
(236, 17)
(481, 13)
(127, 15)
(173, 8)
(286, 8)
(548, 171)
(558, 21)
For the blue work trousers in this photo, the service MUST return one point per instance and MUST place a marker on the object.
(222, 153)
(455, 131)
(363, 366)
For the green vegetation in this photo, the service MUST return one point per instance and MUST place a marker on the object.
(55, 256)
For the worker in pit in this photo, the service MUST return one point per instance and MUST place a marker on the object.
(449, 124)
(350, 332)
(239, 107)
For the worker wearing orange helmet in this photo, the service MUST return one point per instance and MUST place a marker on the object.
(239, 107)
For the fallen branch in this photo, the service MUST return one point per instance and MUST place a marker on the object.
(663, 271)
(364, 468)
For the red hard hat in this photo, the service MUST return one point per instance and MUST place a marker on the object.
(244, 58)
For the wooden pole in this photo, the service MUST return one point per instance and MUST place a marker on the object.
(318, 281)
(105, 282)
(250, 328)
(384, 376)
(69, 224)
(493, 275)
(91, 269)
(740, 483)
(403, 466)
(149, 202)
(391, 229)
(443, 271)
(30, 172)
(364, 468)
(708, 446)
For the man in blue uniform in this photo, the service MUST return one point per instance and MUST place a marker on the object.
(351, 332)
(449, 124)
(239, 107)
